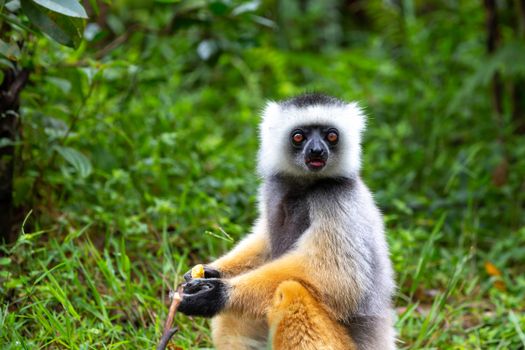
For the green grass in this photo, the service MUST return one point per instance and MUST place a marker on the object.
(169, 176)
(85, 291)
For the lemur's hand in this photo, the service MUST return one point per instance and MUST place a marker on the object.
(209, 272)
(204, 297)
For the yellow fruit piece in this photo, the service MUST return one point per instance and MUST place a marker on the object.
(197, 271)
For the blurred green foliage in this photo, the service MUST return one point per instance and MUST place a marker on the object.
(137, 158)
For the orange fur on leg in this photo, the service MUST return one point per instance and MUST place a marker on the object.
(233, 332)
(298, 322)
(251, 293)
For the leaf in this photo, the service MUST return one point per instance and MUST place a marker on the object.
(491, 269)
(92, 29)
(13, 5)
(5, 261)
(94, 6)
(264, 21)
(63, 29)
(63, 84)
(22, 189)
(188, 6)
(218, 8)
(514, 319)
(9, 51)
(6, 142)
(4, 63)
(500, 285)
(76, 159)
(206, 49)
(249, 6)
(509, 60)
(71, 8)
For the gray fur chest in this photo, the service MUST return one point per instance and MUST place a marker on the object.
(287, 207)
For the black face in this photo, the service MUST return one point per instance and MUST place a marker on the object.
(313, 144)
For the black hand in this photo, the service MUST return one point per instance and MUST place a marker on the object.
(209, 272)
(204, 297)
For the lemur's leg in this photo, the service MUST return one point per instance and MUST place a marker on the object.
(251, 293)
(297, 321)
(234, 332)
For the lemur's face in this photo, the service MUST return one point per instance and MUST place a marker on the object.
(316, 140)
(314, 147)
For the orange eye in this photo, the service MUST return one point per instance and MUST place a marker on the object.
(298, 137)
(332, 137)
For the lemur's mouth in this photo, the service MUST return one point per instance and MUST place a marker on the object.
(315, 163)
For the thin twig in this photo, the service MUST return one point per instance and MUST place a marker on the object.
(114, 44)
(169, 330)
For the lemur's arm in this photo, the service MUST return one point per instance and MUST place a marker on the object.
(249, 254)
(250, 293)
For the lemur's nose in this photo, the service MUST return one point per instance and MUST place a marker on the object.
(317, 151)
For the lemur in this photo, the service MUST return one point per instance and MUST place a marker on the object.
(315, 272)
